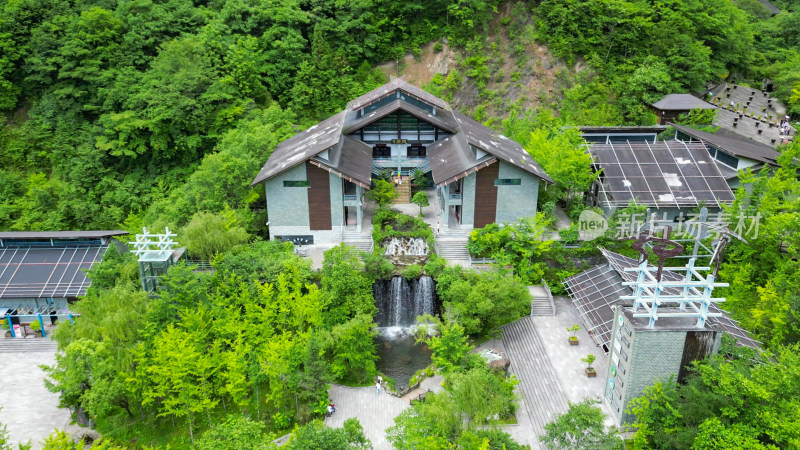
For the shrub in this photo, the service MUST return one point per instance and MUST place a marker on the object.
(569, 235)
(376, 266)
(412, 271)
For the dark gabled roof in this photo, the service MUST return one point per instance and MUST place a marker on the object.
(444, 119)
(597, 291)
(456, 157)
(498, 145)
(734, 144)
(351, 159)
(451, 158)
(41, 272)
(61, 234)
(681, 102)
(302, 146)
(772, 8)
(393, 85)
(660, 174)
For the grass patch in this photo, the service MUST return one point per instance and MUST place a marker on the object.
(510, 420)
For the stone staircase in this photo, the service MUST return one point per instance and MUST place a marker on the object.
(403, 191)
(542, 301)
(360, 241)
(27, 345)
(543, 396)
(452, 248)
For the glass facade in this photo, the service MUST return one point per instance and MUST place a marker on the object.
(400, 125)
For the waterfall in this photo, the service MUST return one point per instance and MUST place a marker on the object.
(400, 301)
(423, 296)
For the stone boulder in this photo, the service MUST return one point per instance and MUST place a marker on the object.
(500, 364)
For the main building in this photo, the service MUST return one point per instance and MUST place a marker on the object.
(315, 180)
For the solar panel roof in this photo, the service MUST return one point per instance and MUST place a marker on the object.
(660, 174)
(597, 291)
(42, 272)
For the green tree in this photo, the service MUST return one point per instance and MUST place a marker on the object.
(581, 428)
(376, 266)
(346, 288)
(235, 432)
(420, 199)
(438, 422)
(208, 235)
(450, 348)
(315, 435)
(737, 393)
(263, 261)
(352, 350)
(61, 440)
(4, 438)
(383, 193)
(480, 394)
(562, 155)
(177, 375)
(432, 424)
(483, 303)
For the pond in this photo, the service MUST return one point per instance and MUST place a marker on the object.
(399, 356)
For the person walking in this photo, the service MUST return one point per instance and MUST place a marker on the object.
(378, 388)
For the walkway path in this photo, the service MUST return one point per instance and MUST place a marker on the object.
(375, 412)
(29, 410)
(543, 395)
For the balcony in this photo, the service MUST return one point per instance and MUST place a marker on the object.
(396, 161)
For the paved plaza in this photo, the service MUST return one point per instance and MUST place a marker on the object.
(375, 412)
(29, 410)
(551, 375)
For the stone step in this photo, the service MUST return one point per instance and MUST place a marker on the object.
(452, 249)
(542, 393)
(361, 244)
(27, 345)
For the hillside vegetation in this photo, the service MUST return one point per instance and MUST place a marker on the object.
(124, 113)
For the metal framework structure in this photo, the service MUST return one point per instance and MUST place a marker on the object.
(662, 174)
(683, 291)
(687, 295)
(25, 311)
(155, 252)
(153, 246)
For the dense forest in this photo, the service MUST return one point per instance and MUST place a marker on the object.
(123, 114)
